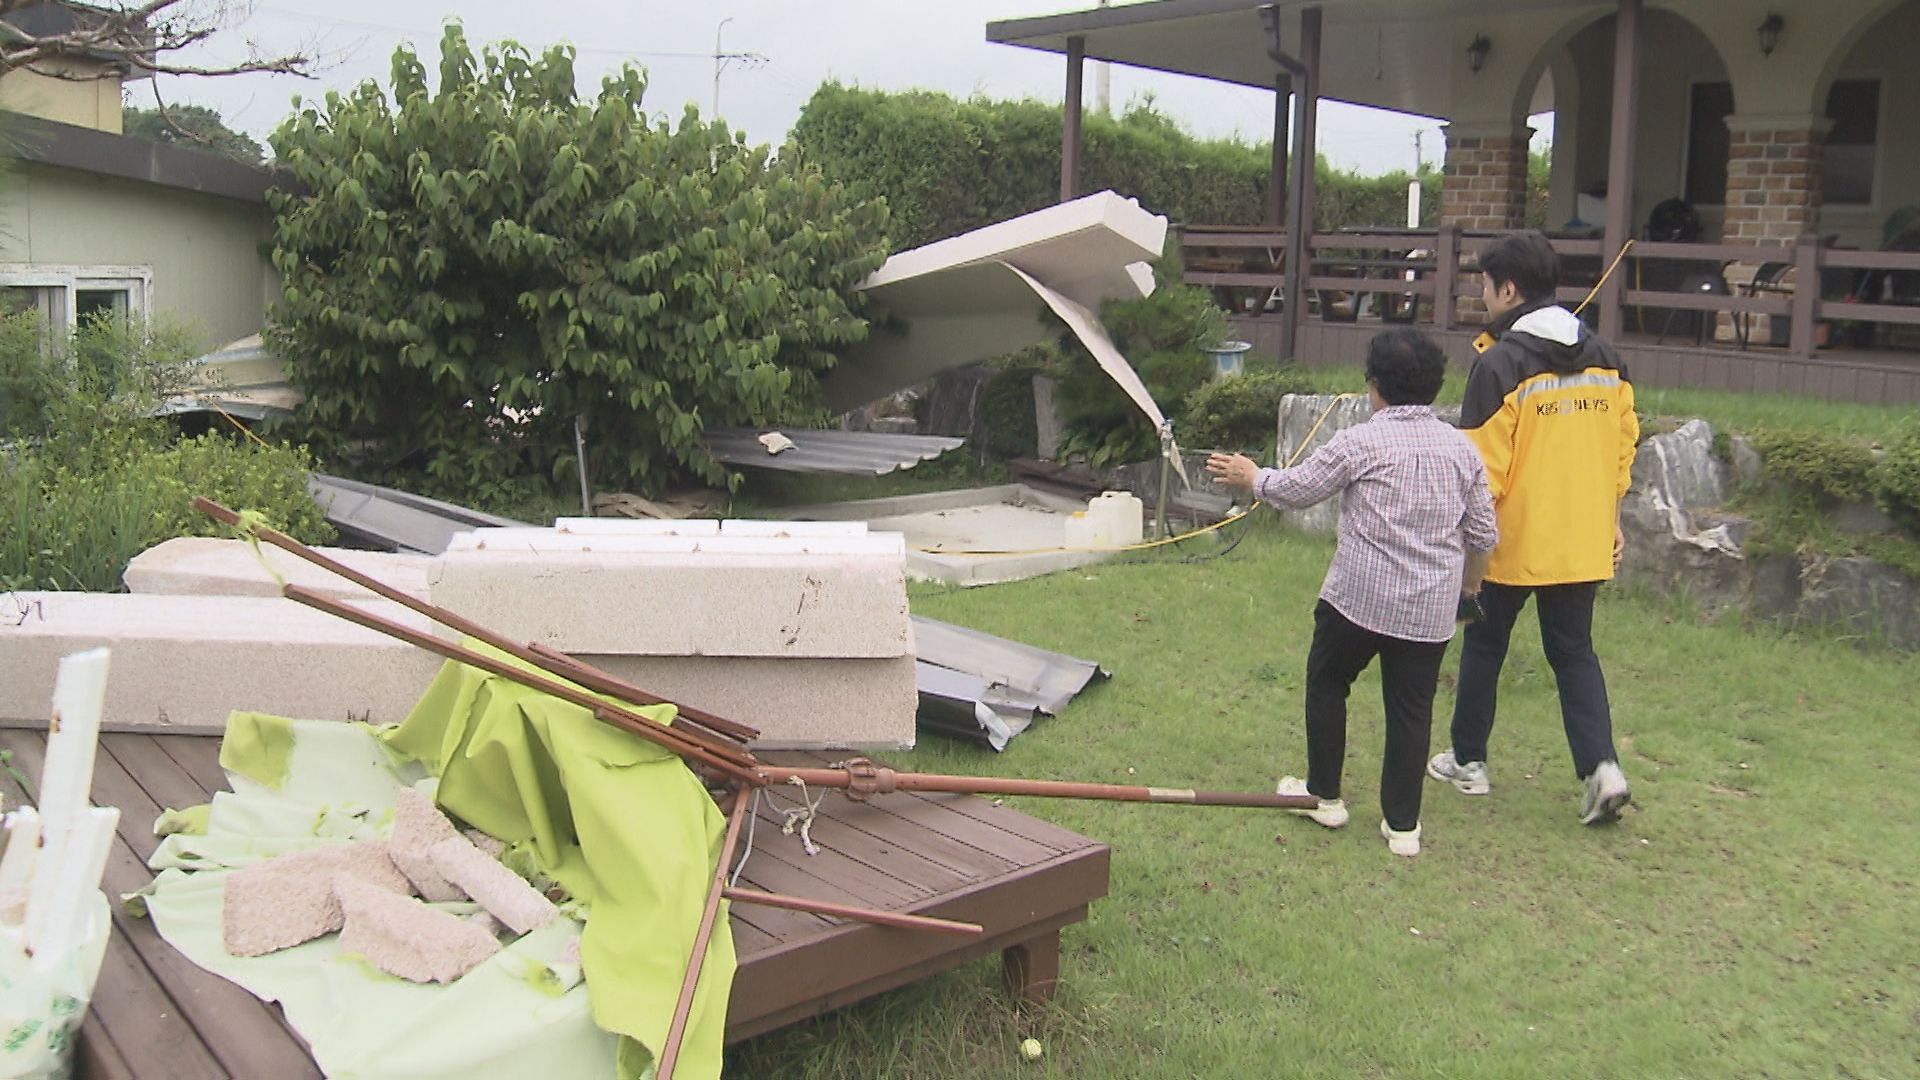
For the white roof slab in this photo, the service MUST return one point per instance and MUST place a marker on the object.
(182, 663)
(964, 299)
(209, 566)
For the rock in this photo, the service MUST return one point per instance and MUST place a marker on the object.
(1746, 465)
(1857, 516)
(1868, 597)
(1299, 437)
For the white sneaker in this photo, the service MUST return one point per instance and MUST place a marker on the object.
(1401, 843)
(1470, 778)
(1606, 792)
(1332, 812)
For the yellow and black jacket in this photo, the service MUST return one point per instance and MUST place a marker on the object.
(1551, 410)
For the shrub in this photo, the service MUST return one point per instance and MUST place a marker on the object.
(1239, 413)
(1822, 468)
(1007, 404)
(1161, 335)
(1896, 479)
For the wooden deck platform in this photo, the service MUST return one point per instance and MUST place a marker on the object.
(156, 1016)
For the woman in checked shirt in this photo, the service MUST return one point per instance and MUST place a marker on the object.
(1416, 526)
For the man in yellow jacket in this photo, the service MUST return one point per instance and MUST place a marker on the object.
(1550, 408)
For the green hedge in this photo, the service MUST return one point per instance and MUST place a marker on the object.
(947, 165)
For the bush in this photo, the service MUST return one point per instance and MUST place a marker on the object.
(1240, 413)
(1819, 467)
(1896, 479)
(1161, 335)
(91, 479)
(474, 264)
(1007, 404)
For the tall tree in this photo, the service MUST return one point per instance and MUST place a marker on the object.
(479, 263)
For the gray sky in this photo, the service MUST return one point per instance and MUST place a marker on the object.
(881, 44)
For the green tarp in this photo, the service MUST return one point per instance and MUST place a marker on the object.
(616, 821)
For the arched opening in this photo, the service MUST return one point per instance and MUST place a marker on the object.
(1680, 149)
(1870, 161)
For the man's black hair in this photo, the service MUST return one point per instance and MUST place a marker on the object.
(1406, 367)
(1525, 259)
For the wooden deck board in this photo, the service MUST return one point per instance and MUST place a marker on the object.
(156, 1016)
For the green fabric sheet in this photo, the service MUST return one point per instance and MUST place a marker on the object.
(618, 822)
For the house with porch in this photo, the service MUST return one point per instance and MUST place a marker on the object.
(1735, 187)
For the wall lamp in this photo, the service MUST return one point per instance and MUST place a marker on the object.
(1770, 33)
(1477, 52)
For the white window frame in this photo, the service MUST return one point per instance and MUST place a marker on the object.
(135, 281)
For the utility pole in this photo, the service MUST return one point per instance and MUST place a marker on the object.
(719, 63)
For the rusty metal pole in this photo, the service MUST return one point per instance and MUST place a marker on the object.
(844, 911)
(670, 1053)
(862, 778)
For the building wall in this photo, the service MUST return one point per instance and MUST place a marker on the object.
(92, 102)
(209, 275)
(1886, 53)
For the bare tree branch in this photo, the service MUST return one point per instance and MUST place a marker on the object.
(139, 36)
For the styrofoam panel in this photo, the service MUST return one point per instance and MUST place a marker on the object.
(796, 704)
(182, 663)
(208, 566)
(686, 604)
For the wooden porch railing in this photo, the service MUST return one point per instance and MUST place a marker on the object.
(1428, 265)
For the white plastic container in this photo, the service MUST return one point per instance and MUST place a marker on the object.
(1113, 519)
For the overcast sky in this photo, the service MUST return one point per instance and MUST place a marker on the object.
(882, 44)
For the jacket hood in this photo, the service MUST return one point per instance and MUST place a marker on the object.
(1554, 334)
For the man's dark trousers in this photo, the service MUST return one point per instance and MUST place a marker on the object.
(1566, 634)
(1409, 670)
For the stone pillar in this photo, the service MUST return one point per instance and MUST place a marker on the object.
(1485, 178)
(1773, 178)
(1773, 197)
(1483, 186)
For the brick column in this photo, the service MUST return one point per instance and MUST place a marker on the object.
(1483, 186)
(1773, 178)
(1485, 178)
(1773, 195)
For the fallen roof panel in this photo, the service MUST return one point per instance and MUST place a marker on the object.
(859, 453)
(394, 520)
(976, 686)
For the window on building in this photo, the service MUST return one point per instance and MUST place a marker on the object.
(64, 297)
(1708, 143)
(1853, 142)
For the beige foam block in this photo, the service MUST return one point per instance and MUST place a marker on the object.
(506, 895)
(404, 937)
(688, 603)
(796, 704)
(418, 825)
(209, 566)
(182, 663)
(290, 899)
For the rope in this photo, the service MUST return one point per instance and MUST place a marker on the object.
(800, 817)
(1163, 541)
(1602, 283)
(746, 850)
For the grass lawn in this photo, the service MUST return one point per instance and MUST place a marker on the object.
(1755, 913)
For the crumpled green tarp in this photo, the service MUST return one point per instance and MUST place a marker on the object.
(615, 820)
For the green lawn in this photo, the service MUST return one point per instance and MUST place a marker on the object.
(1755, 914)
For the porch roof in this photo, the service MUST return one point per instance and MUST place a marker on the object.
(1380, 53)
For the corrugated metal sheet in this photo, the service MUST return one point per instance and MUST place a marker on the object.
(988, 689)
(394, 520)
(859, 453)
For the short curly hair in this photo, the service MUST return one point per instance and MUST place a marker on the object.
(1405, 367)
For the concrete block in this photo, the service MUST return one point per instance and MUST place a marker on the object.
(692, 603)
(182, 663)
(207, 566)
(796, 704)
(637, 526)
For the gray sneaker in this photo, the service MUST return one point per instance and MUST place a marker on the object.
(1606, 792)
(1469, 777)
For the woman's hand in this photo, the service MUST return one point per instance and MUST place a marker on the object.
(1233, 470)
